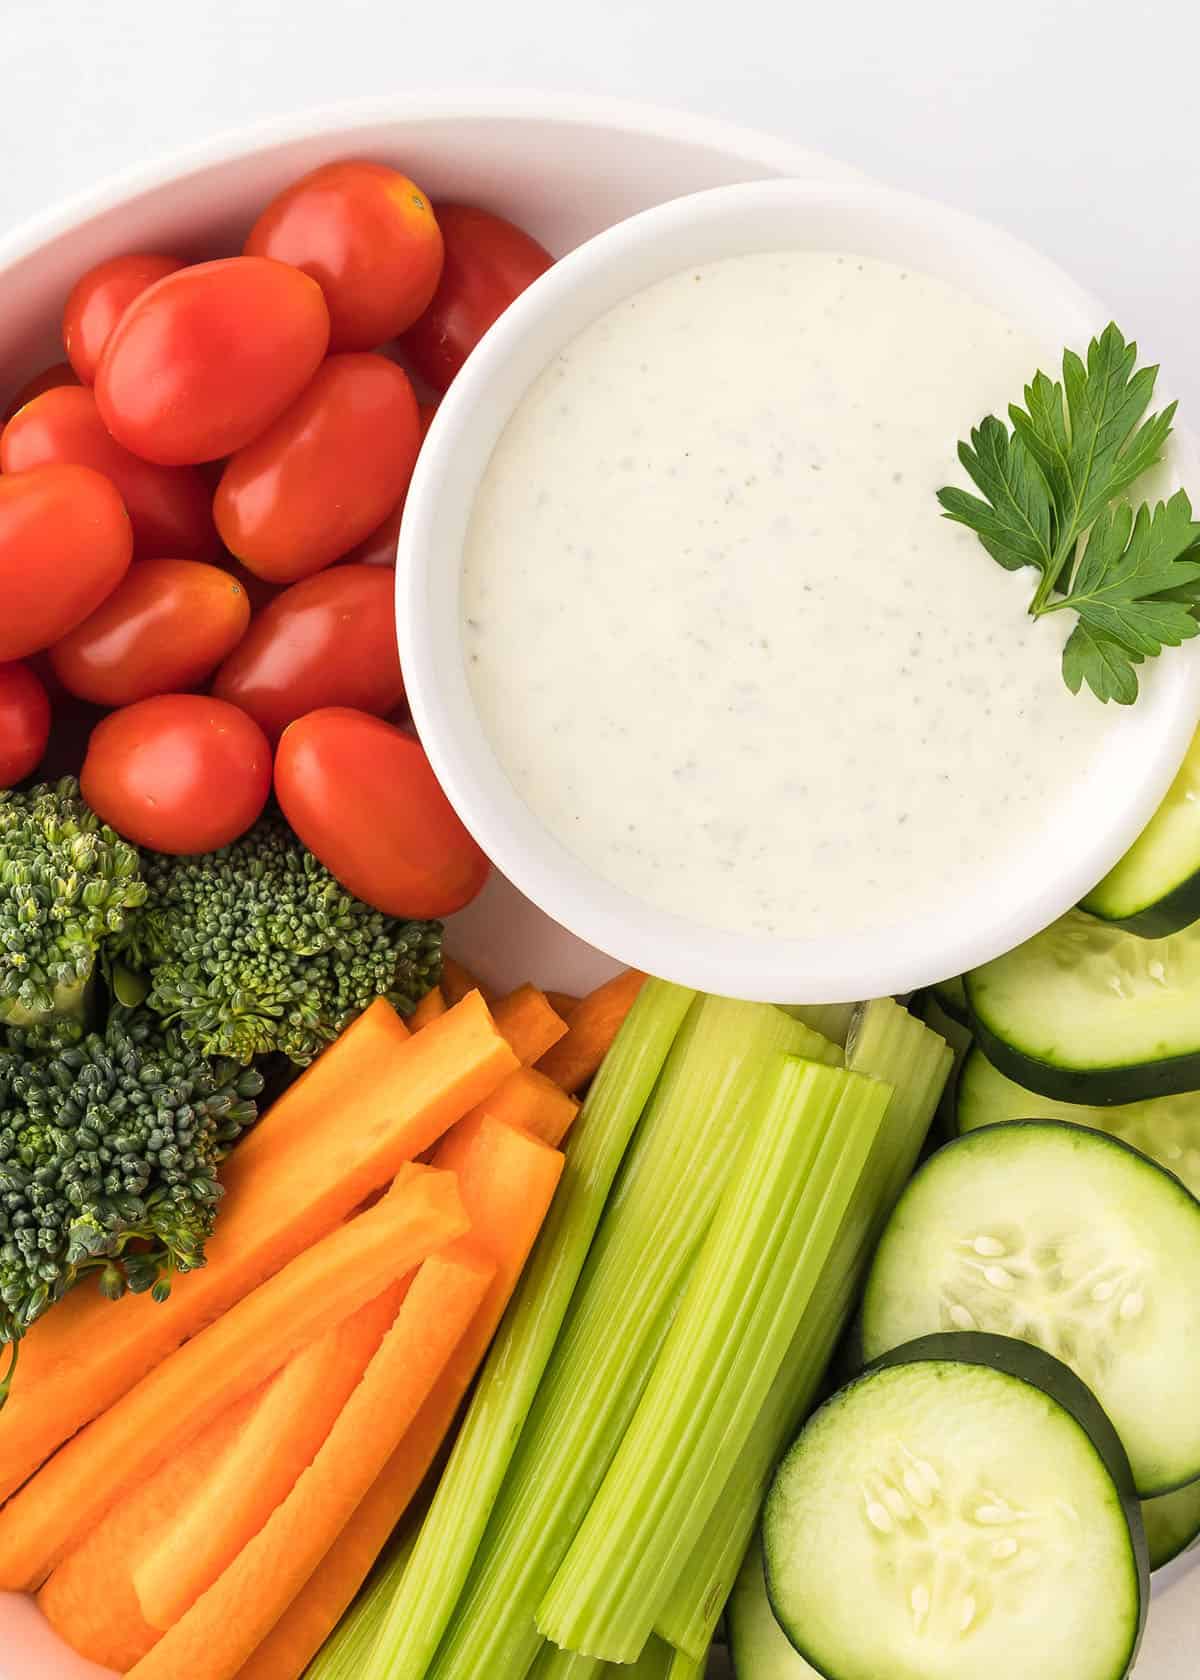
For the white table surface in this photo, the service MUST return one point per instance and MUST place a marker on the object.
(1072, 122)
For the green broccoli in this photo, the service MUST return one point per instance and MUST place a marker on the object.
(108, 1157)
(256, 949)
(67, 884)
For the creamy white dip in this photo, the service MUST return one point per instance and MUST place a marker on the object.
(722, 641)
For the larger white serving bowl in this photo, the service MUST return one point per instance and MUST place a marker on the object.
(563, 166)
(1045, 872)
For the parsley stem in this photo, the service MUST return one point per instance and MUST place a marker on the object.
(1041, 602)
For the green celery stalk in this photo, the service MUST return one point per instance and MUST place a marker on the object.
(424, 1602)
(655, 1663)
(754, 1278)
(348, 1646)
(831, 1020)
(890, 1044)
(656, 1220)
(680, 1666)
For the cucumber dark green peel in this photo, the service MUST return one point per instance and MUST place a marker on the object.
(1176, 910)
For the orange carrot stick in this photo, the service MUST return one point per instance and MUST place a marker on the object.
(507, 1181)
(457, 981)
(53, 1512)
(279, 1439)
(90, 1600)
(372, 1101)
(564, 1004)
(430, 1007)
(527, 1021)
(576, 1058)
(228, 1622)
(533, 1103)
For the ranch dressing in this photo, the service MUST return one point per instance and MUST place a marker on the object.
(722, 642)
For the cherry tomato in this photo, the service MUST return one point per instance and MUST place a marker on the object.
(379, 548)
(325, 474)
(368, 236)
(362, 796)
(207, 358)
(488, 263)
(178, 773)
(98, 300)
(62, 373)
(166, 627)
(170, 508)
(65, 544)
(328, 641)
(24, 722)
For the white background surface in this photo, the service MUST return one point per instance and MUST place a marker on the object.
(1073, 122)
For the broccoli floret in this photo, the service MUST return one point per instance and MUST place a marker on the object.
(108, 1158)
(67, 884)
(257, 949)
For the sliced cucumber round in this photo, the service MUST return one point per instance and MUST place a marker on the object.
(1172, 1523)
(1073, 1242)
(1165, 1128)
(963, 1511)
(1155, 889)
(1089, 1013)
(759, 1647)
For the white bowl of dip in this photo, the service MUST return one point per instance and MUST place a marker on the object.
(687, 641)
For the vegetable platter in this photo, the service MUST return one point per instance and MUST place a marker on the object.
(394, 1287)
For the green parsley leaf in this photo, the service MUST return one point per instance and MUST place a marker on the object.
(1084, 434)
(1054, 481)
(1015, 523)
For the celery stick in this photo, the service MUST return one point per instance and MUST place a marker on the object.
(656, 1220)
(657, 1662)
(680, 1667)
(794, 1180)
(831, 1020)
(348, 1646)
(892, 1045)
(450, 1535)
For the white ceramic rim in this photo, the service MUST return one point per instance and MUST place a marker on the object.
(471, 417)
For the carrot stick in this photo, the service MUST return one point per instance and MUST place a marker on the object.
(507, 1181)
(527, 1021)
(595, 1023)
(564, 1004)
(90, 1600)
(279, 1439)
(430, 1007)
(228, 1622)
(530, 1101)
(372, 1101)
(457, 981)
(322, 1286)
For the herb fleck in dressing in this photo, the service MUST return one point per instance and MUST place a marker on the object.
(722, 642)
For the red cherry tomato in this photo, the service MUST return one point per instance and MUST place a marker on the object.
(166, 627)
(178, 773)
(170, 508)
(325, 474)
(98, 300)
(24, 722)
(368, 236)
(62, 373)
(379, 549)
(488, 263)
(362, 797)
(206, 359)
(328, 641)
(65, 544)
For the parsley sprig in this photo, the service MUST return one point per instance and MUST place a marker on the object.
(1053, 497)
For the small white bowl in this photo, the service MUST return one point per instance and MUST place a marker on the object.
(1146, 742)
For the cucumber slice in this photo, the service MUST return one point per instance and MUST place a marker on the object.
(1165, 1128)
(1070, 1240)
(1155, 889)
(1089, 1013)
(952, 995)
(759, 1647)
(1172, 1523)
(963, 1511)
